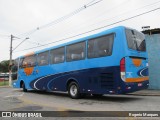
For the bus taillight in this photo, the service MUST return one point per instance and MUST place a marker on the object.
(122, 65)
(122, 69)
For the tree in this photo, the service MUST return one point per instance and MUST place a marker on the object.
(4, 66)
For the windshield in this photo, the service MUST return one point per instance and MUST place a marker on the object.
(135, 40)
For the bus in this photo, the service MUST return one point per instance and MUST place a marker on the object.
(113, 61)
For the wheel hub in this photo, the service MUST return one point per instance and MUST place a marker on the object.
(73, 90)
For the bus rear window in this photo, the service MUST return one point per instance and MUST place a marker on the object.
(135, 40)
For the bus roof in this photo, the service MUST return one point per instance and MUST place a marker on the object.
(75, 41)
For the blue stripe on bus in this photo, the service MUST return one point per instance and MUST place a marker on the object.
(143, 72)
(49, 81)
(99, 80)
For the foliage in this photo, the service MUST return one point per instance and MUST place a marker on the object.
(4, 66)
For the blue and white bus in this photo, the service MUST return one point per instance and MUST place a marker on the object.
(110, 62)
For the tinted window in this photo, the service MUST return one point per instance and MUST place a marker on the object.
(135, 40)
(29, 61)
(101, 46)
(76, 51)
(21, 62)
(15, 65)
(43, 58)
(57, 55)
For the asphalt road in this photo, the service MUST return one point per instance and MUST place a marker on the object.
(16, 100)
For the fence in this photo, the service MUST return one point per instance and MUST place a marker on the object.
(4, 81)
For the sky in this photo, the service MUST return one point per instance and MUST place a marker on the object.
(27, 18)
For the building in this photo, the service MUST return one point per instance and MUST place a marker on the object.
(152, 37)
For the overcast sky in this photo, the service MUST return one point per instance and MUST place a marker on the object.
(22, 16)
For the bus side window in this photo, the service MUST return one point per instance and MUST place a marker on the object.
(43, 58)
(91, 52)
(24, 64)
(101, 46)
(76, 51)
(21, 63)
(57, 55)
(105, 45)
(29, 61)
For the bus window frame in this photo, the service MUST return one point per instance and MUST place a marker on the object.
(85, 50)
(21, 62)
(114, 36)
(37, 58)
(50, 54)
(26, 66)
(131, 49)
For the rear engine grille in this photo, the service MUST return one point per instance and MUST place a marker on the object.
(107, 81)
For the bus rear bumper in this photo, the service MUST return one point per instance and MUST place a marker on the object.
(133, 87)
(123, 89)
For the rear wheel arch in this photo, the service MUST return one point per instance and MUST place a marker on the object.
(69, 81)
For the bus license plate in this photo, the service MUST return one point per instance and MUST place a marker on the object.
(139, 84)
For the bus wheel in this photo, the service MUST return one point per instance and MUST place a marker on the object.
(73, 90)
(24, 88)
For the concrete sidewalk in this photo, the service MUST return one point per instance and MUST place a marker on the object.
(147, 92)
(5, 86)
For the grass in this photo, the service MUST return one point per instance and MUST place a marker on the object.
(4, 83)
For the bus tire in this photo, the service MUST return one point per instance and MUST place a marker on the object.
(24, 88)
(73, 90)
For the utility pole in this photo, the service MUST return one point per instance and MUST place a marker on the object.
(10, 63)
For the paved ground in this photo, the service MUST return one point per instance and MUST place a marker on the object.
(147, 92)
(16, 100)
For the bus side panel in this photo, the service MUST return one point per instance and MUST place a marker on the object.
(94, 80)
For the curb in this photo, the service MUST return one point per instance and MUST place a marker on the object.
(5, 86)
(146, 93)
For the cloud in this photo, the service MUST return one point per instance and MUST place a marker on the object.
(20, 16)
